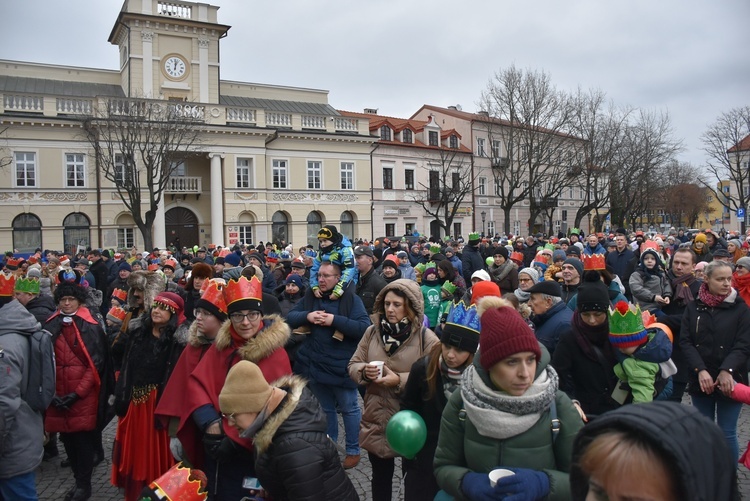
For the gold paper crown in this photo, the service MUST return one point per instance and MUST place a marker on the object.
(237, 290)
(28, 285)
(180, 483)
(7, 284)
(594, 262)
(213, 292)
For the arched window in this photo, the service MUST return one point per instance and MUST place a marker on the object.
(347, 225)
(279, 227)
(76, 232)
(314, 223)
(245, 229)
(27, 233)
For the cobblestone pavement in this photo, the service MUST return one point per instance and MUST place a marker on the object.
(53, 481)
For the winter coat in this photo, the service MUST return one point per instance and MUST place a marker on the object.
(21, 428)
(471, 261)
(461, 449)
(368, 287)
(101, 275)
(615, 296)
(716, 339)
(381, 402)
(287, 302)
(509, 281)
(457, 264)
(80, 358)
(589, 251)
(568, 292)
(641, 369)
(323, 358)
(42, 307)
(295, 459)
(644, 288)
(407, 271)
(553, 323)
(623, 264)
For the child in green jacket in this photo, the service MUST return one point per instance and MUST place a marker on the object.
(431, 293)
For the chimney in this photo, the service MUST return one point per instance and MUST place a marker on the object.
(371, 111)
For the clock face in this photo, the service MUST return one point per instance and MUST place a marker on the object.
(175, 67)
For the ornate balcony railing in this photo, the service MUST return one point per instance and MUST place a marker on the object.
(28, 104)
(184, 184)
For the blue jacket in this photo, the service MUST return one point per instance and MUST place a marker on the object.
(321, 358)
(552, 324)
(456, 262)
(596, 250)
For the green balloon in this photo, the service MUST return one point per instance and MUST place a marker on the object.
(406, 433)
(490, 261)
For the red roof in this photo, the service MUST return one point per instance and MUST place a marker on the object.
(743, 145)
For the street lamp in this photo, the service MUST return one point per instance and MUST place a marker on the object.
(484, 216)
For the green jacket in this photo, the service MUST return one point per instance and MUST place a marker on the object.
(461, 449)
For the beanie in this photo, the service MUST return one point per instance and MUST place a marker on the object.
(532, 273)
(501, 251)
(575, 263)
(329, 232)
(34, 272)
(482, 289)
(390, 263)
(744, 262)
(295, 279)
(592, 294)
(245, 389)
(124, 266)
(232, 259)
(701, 237)
(257, 255)
(503, 333)
(558, 255)
(481, 275)
(219, 260)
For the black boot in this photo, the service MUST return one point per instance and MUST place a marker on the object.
(82, 493)
(50, 448)
(69, 494)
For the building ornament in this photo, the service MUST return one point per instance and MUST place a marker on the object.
(203, 43)
(245, 196)
(43, 197)
(313, 197)
(147, 36)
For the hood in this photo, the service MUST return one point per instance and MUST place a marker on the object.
(274, 335)
(17, 320)
(412, 291)
(702, 466)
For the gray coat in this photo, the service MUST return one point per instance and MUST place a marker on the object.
(21, 429)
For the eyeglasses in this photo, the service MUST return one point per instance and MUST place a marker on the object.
(200, 312)
(321, 275)
(240, 317)
(230, 418)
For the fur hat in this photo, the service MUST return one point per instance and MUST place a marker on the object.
(245, 389)
(503, 332)
(147, 281)
(70, 289)
(199, 270)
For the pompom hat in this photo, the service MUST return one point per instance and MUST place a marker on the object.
(503, 332)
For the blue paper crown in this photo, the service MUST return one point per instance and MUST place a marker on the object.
(464, 316)
(310, 253)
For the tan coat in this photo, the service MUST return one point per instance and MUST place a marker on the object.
(382, 402)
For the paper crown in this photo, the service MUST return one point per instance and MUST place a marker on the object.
(517, 257)
(116, 314)
(448, 287)
(650, 322)
(464, 316)
(153, 267)
(272, 258)
(575, 231)
(626, 325)
(7, 284)
(649, 244)
(179, 483)
(420, 267)
(550, 247)
(120, 294)
(594, 262)
(171, 263)
(224, 252)
(434, 248)
(310, 253)
(237, 290)
(29, 285)
(474, 237)
(12, 263)
(213, 292)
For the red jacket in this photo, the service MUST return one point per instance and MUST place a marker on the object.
(76, 371)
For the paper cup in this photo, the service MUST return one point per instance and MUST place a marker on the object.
(496, 475)
(379, 364)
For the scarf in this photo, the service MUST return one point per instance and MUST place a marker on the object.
(451, 377)
(709, 299)
(742, 284)
(394, 335)
(588, 336)
(500, 272)
(495, 414)
(681, 287)
(522, 296)
(239, 341)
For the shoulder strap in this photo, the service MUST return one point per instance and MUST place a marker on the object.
(555, 421)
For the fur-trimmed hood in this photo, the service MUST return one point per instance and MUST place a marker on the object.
(412, 291)
(274, 335)
(147, 281)
(293, 385)
(195, 338)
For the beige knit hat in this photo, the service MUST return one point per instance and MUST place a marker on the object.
(245, 389)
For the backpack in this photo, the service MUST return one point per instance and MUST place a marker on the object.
(40, 377)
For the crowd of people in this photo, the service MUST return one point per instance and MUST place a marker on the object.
(562, 362)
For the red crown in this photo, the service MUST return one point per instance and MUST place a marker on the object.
(153, 267)
(224, 252)
(516, 256)
(7, 284)
(117, 313)
(13, 262)
(171, 263)
(594, 262)
(120, 294)
(180, 483)
(213, 292)
(243, 288)
(649, 244)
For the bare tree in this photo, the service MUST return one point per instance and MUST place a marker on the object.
(5, 158)
(450, 183)
(727, 144)
(681, 197)
(138, 144)
(530, 118)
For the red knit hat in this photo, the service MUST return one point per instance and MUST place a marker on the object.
(482, 289)
(503, 333)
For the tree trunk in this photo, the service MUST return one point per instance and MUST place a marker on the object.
(506, 220)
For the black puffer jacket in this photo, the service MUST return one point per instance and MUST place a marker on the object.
(369, 286)
(295, 459)
(42, 307)
(716, 339)
(703, 464)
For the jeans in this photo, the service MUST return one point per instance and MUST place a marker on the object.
(332, 398)
(19, 488)
(726, 413)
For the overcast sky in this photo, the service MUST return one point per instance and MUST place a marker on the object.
(688, 57)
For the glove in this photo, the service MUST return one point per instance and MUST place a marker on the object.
(525, 485)
(211, 443)
(476, 487)
(176, 447)
(56, 401)
(68, 400)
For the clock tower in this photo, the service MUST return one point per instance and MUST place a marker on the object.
(169, 50)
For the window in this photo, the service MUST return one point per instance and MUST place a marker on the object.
(314, 222)
(244, 173)
(407, 136)
(453, 141)
(347, 175)
(314, 173)
(433, 138)
(387, 178)
(482, 185)
(279, 227)
(490, 227)
(76, 232)
(564, 215)
(409, 179)
(456, 229)
(347, 225)
(497, 149)
(409, 228)
(245, 234)
(27, 233)
(122, 170)
(390, 229)
(385, 133)
(125, 238)
(456, 181)
(480, 147)
(25, 169)
(178, 169)
(434, 193)
(278, 177)
(498, 188)
(75, 172)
